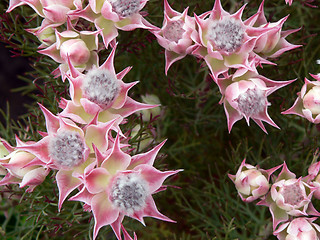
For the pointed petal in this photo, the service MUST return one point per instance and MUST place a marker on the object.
(146, 158)
(116, 226)
(150, 210)
(34, 178)
(285, 173)
(232, 115)
(66, 184)
(109, 31)
(123, 94)
(98, 135)
(83, 196)
(52, 121)
(131, 106)
(171, 57)
(39, 149)
(154, 177)
(103, 212)
(97, 180)
(126, 234)
(9, 179)
(117, 160)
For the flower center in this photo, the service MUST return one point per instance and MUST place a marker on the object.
(129, 193)
(101, 87)
(173, 31)
(293, 194)
(66, 149)
(226, 34)
(252, 102)
(125, 8)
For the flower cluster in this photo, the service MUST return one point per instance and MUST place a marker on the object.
(232, 49)
(79, 146)
(84, 145)
(289, 198)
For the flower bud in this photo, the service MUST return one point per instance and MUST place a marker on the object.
(307, 104)
(155, 111)
(77, 50)
(251, 182)
(311, 100)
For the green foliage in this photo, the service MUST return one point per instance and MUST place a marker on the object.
(205, 202)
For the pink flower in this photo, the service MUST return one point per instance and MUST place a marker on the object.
(289, 196)
(109, 16)
(225, 40)
(272, 43)
(55, 13)
(307, 104)
(299, 229)
(245, 95)
(252, 182)
(80, 48)
(175, 34)
(122, 185)
(100, 94)
(17, 168)
(66, 148)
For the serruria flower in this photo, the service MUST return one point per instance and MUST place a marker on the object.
(307, 105)
(55, 13)
(298, 229)
(252, 182)
(225, 40)
(289, 196)
(273, 43)
(175, 35)
(14, 164)
(122, 185)
(109, 16)
(66, 148)
(244, 94)
(100, 92)
(78, 47)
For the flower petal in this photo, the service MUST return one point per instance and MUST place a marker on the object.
(66, 184)
(103, 212)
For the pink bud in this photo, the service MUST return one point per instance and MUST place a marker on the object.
(251, 182)
(77, 51)
(311, 100)
(307, 104)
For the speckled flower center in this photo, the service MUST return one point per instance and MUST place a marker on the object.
(125, 8)
(66, 149)
(101, 87)
(128, 193)
(293, 194)
(173, 30)
(226, 34)
(252, 102)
